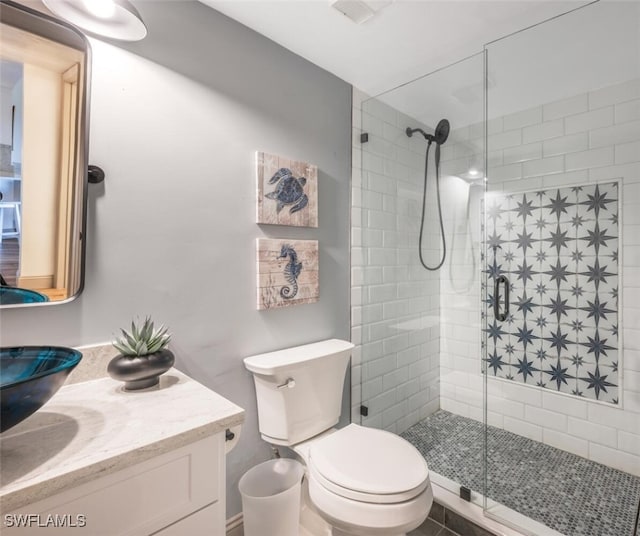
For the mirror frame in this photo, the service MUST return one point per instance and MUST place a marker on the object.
(48, 27)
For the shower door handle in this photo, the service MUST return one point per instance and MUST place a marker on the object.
(496, 298)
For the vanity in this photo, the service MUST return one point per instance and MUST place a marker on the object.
(103, 461)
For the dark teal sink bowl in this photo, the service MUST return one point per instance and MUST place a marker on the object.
(15, 295)
(29, 377)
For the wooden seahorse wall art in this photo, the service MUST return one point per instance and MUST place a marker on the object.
(287, 272)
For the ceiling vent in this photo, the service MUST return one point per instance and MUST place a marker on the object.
(359, 11)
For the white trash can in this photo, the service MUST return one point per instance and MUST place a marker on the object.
(271, 498)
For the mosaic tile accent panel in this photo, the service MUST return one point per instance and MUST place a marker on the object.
(559, 250)
(570, 494)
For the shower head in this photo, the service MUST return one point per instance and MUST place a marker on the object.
(442, 131)
(439, 136)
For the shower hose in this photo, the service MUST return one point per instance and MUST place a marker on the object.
(424, 203)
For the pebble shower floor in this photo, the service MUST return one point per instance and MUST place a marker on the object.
(567, 493)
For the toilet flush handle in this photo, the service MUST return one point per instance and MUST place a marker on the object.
(290, 383)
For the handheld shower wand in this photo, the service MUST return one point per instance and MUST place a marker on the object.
(439, 137)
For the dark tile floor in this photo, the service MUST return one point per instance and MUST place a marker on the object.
(570, 494)
(444, 522)
(431, 528)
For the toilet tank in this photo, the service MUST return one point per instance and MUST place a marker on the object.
(299, 390)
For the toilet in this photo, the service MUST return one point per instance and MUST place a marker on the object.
(360, 481)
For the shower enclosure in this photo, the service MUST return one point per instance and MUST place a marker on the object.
(515, 367)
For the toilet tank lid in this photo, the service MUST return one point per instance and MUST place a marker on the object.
(270, 362)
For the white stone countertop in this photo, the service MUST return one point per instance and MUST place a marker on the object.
(96, 428)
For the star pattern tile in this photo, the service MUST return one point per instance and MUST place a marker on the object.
(559, 250)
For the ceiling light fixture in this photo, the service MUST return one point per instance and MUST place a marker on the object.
(472, 176)
(117, 19)
(100, 8)
(359, 11)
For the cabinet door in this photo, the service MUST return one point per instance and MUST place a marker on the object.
(206, 522)
(136, 501)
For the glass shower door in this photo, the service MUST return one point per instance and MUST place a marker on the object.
(562, 444)
(416, 370)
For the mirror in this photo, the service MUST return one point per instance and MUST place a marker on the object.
(43, 157)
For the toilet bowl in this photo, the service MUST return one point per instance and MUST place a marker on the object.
(367, 482)
(360, 481)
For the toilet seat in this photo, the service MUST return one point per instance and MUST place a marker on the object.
(368, 465)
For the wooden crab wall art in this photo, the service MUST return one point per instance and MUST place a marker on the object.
(287, 272)
(287, 191)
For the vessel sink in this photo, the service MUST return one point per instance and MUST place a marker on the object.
(15, 295)
(29, 377)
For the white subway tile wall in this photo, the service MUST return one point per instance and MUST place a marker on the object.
(395, 305)
(588, 138)
(419, 332)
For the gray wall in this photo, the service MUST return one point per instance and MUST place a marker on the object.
(175, 122)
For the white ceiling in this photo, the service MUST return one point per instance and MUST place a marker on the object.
(408, 39)
(583, 51)
(404, 41)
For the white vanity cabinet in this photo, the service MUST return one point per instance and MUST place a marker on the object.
(163, 495)
(171, 486)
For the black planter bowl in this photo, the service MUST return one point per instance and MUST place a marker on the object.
(140, 372)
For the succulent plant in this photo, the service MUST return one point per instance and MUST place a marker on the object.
(142, 340)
